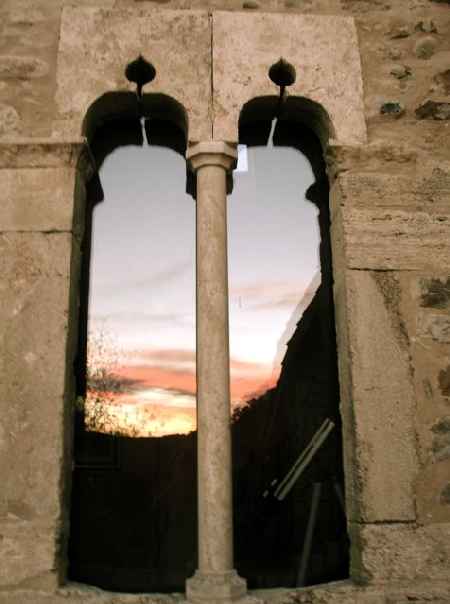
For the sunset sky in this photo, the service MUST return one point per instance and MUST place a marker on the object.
(142, 289)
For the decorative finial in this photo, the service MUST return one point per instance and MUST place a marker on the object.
(141, 72)
(282, 74)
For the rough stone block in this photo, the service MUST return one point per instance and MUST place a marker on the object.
(393, 221)
(377, 400)
(431, 362)
(393, 239)
(37, 199)
(42, 153)
(34, 403)
(429, 188)
(394, 553)
(245, 47)
(429, 327)
(27, 551)
(433, 481)
(177, 43)
(435, 293)
(437, 327)
(9, 120)
(29, 39)
(21, 67)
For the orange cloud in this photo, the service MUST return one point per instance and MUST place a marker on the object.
(175, 370)
(244, 389)
(157, 377)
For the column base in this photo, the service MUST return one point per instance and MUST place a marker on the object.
(216, 588)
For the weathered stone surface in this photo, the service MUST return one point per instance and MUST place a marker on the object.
(430, 189)
(380, 414)
(79, 594)
(431, 481)
(444, 381)
(445, 495)
(400, 71)
(9, 120)
(438, 327)
(27, 549)
(425, 48)
(441, 439)
(34, 409)
(374, 159)
(37, 199)
(245, 47)
(443, 80)
(442, 426)
(435, 293)
(434, 110)
(343, 592)
(427, 26)
(399, 29)
(20, 67)
(176, 42)
(43, 153)
(411, 240)
(401, 552)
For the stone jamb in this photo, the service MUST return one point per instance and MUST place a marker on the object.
(376, 190)
(40, 259)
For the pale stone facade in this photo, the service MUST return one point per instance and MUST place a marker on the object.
(369, 69)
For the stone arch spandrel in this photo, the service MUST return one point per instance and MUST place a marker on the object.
(323, 50)
(96, 45)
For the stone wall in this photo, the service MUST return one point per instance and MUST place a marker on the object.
(391, 249)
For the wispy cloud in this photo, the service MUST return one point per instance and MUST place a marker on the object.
(285, 301)
(159, 279)
(132, 317)
(267, 295)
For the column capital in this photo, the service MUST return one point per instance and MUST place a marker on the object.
(212, 153)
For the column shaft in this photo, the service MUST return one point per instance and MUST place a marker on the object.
(215, 581)
(213, 385)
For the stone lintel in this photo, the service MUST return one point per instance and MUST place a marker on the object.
(97, 44)
(246, 45)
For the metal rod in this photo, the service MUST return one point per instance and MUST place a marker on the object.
(304, 460)
(306, 553)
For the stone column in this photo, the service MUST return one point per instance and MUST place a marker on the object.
(215, 579)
